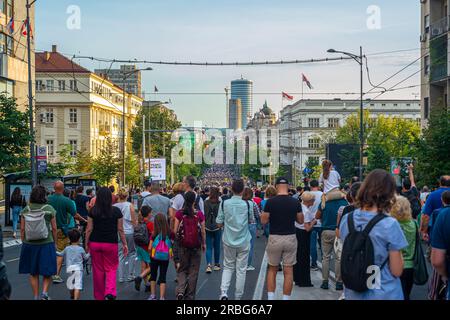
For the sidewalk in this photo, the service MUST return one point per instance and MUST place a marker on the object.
(314, 293)
(7, 231)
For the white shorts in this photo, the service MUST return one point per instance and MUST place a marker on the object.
(75, 280)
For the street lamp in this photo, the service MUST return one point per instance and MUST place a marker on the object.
(359, 60)
(125, 77)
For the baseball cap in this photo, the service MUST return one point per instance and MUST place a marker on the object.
(281, 180)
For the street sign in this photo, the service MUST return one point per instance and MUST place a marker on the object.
(41, 159)
(157, 169)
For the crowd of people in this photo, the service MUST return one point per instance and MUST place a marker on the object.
(371, 231)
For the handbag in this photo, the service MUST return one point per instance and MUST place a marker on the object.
(420, 264)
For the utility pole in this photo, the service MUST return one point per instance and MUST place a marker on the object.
(361, 119)
(123, 134)
(143, 148)
(30, 100)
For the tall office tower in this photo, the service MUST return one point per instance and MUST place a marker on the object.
(126, 77)
(235, 114)
(243, 89)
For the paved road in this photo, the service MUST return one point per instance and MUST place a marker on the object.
(208, 287)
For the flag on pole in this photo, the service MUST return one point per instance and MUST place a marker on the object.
(156, 89)
(305, 79)
(287, 96)
(24, 29)
(10, 25)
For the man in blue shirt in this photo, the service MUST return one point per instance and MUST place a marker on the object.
(433, 202)
(440, 241)
(235, 215)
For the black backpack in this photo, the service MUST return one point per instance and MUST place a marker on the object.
(358, 255)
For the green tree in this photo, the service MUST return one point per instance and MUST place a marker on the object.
(385, 137)
(433, 149)
(15, 137)
(133, 174)
(107, 164)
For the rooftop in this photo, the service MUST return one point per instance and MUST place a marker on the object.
(55, 62)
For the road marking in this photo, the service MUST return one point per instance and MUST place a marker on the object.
(201, 286)
(259, 289)
(12, 260)
(12, 243)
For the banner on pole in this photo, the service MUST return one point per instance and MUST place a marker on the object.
(157, 170)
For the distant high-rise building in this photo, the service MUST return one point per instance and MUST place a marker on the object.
(235, 114)
(243, 89)
(132, 80)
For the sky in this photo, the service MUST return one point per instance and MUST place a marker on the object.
(239, 30)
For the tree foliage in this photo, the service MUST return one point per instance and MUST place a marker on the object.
(385, 137)
(433, 149)
(107, 164)
(15, 137)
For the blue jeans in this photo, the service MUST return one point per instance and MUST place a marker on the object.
(252, 229)
(315, 234)
(213, 242)
(15, 216)
(266, 230)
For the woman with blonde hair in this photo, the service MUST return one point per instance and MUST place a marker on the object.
(127, 262)
(401, 211)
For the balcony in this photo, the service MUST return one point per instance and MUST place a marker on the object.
(438, 72)
(439, 27)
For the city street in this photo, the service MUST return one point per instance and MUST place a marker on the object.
(207, 288)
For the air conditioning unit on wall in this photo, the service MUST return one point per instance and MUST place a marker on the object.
(423, 37)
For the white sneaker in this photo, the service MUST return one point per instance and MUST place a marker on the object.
(250, 268)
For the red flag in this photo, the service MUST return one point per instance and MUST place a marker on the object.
(287, 97)
(24, 29)
(305, 79)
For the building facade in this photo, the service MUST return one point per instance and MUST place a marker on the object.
(265, 118)
(126, 77)
(243, 89)
(434, 38)
(77, 107)
(303, 124)
(235, 114)
(13, 50)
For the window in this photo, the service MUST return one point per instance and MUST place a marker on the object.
(73, 115)
(6, 87)
(426, 108)
(313, 122)
(50, 147)
(383, 104)
(427, 23)
(333, 123)
(73, 85)
(419, 121)
(313, 143)
(313, 159)
(426, 62)
(6, 44)
(38, 85)
(49, 115)
(61, 85)
(73, 147)
(50, 85)
(10, 9)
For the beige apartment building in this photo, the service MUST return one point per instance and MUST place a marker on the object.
(434, 38)
(13, 50)
(79, 108)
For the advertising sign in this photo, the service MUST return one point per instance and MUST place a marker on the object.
(41, 159)
(157, 169)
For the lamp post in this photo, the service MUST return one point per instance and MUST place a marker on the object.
(125, 77)
(359, 60)
(33, 168)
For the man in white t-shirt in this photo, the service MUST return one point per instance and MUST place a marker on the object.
(302, 276)
(314, 184)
